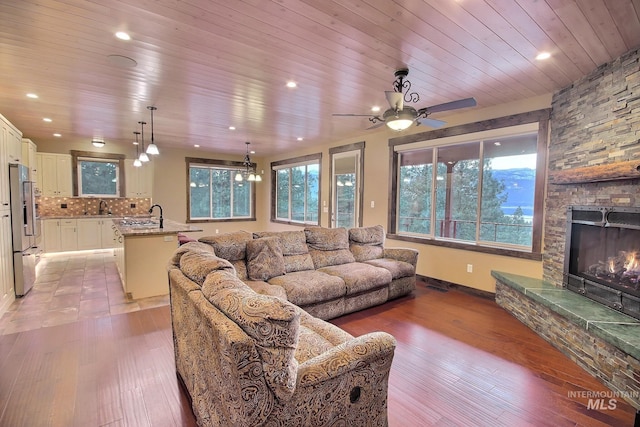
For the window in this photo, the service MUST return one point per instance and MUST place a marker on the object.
(97, 174)
(215, 195)
(296, 186)
(478, 188)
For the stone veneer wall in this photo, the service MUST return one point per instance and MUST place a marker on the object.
(616, 369)
(594, 121)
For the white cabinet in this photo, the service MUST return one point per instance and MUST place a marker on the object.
(95, 233)
(13, 141)
(7, 294)
(138, 180)
(60, 235)
(29, 150)
(55, 175)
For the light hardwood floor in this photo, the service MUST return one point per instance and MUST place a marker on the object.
(460, 361)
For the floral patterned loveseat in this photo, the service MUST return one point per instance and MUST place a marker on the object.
(249, 359)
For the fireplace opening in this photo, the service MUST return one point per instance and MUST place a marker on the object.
(602, 256)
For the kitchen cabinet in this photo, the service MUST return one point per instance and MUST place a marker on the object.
(13, 140)
(95, 233)
(60, 235)
(29, 150)
(138, 180)
(55, 175)
(7, 294)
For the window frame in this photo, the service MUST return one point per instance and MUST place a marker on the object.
(290, 164)
(78, 156)
(466, 133)
(233, 167)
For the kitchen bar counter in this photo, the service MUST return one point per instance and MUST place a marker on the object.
(142, 252)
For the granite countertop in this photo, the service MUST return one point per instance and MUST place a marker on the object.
(92, 216)
(151, 227)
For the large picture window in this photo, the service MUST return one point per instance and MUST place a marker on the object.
(97, 174)
(296, 190)
(215, 195)
(480, 188)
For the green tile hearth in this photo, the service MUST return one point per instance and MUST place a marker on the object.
(616, 328)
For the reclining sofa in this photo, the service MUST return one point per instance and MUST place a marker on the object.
(328, 272)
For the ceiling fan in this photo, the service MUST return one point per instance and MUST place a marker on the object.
(399, 116)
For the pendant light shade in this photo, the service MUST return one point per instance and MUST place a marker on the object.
(152, 148)
(143, 155)
(137, 163)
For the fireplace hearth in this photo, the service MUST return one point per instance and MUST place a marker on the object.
(602, 256)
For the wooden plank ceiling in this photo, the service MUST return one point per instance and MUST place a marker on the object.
(210, 64)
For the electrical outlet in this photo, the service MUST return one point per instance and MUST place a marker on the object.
(469, 268)
(217, 231)
(373, 204)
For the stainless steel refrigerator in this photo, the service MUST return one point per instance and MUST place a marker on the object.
(24, 228)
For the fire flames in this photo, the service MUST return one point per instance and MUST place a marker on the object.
(623, 268)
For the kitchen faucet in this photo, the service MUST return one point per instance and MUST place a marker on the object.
(160, 207)
(101, 209)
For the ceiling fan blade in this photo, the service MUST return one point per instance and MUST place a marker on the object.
(453, 105)
(352, 115)
(377, 125)
(394, 99)
(434, 123)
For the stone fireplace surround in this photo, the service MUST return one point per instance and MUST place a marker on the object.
(595, 126)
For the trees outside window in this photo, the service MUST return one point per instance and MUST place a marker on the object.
(480, 192)
(296, 186)
(214, 194)
(98, 178)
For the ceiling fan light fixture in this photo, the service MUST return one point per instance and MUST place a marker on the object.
(400, 120)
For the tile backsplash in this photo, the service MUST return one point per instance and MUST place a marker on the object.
(76, 206)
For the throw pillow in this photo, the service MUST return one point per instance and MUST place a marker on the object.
(264, 258)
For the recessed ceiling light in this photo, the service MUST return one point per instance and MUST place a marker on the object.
(543, 55)
(57, 135)
(197, 145)
(123, 36)
(232, 128)
(47, 119)
(32, 96)
(291, 84)
(252, 152)
(375, 108)
(300, 138)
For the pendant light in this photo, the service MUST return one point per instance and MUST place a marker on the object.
(248, 172)
(137, 163)
(152, 148)
(143, 155)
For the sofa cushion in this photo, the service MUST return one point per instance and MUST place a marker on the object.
(397, 268)
(359, 277)
(264, 258)
(197, 265)
(310, 287)
(328, 246)
(366, 243)
(294, 249)
(271, 322)
(230, 246)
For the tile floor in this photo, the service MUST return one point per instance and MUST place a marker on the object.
(71, 287)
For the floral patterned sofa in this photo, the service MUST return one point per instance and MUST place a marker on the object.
(328, 272)
(250, 359)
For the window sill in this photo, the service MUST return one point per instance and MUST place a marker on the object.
(468, 247)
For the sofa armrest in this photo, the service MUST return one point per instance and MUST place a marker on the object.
(373, 348)
(402, 254)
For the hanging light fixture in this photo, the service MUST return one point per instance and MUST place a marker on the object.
(248, 173)
(137, 163)
(143, 155)
(152, 148)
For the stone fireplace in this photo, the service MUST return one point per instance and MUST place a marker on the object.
(591, 230)
(602, 256)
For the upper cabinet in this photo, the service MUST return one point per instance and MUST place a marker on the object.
(139, 180)
(13, 140)
(54, 175)
(29, 150)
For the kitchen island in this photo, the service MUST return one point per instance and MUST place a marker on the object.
(142, 252)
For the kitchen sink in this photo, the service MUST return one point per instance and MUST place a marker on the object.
(139, 223)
